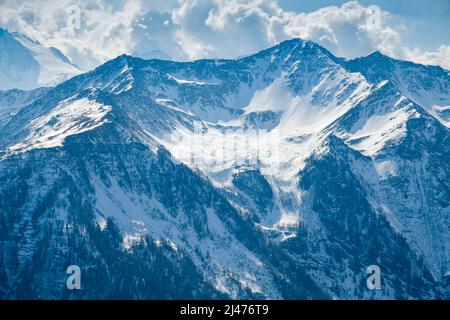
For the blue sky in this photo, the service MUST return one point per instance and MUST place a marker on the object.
(415, 30)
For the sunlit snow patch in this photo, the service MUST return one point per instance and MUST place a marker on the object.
(68, 118)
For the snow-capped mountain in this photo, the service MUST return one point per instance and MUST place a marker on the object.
(105, 171)
(26, 64)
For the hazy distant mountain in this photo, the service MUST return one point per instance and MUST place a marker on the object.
(26, 64)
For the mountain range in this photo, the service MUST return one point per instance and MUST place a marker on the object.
(100, 171)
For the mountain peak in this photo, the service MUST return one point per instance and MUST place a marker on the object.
(125, 59)
(294, 48)
(297, 43)
(376, 53)
(376, 56)
(118, 63)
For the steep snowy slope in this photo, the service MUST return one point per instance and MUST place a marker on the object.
(429, 86)
(26, 64)
(279, 175)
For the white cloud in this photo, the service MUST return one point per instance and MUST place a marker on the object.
(350, 30)
(439, 57)
(105, 28)
(224, 28)
(192, 29)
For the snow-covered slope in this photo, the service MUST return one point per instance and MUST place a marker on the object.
(351, 170)
(429, 86)
(26, 64)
